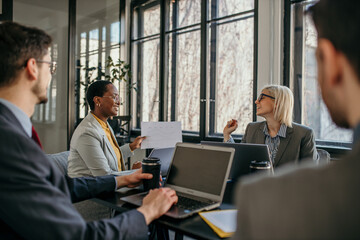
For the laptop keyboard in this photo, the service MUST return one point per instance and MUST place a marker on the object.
(190, 204)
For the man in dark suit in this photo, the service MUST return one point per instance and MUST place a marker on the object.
(35, 198)
(316, 202)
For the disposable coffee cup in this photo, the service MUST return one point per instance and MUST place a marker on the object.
(260, 166)
(151, 165)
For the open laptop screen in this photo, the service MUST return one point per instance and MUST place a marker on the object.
(244, 154)
(199, 169)
(165, 156)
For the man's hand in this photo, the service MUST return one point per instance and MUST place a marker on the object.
(156, 203)
(132, 180)
(230, 127)
(136, 143)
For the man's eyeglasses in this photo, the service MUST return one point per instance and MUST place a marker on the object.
(52, 65)
(116, 98)
(262, 95)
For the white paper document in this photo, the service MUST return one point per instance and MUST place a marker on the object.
(225, 220)
(160, 134)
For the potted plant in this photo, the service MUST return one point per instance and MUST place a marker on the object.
(119, 70)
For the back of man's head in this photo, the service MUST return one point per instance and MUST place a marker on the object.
(338, 21)
(17, 45)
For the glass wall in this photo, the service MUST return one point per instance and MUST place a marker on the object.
(98, 36)
(309, 108)
(50, 119)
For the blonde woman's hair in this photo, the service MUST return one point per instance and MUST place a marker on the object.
(284, 103)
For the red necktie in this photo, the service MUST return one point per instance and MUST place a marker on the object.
(35, 136)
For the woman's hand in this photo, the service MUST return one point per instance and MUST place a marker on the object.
(136, 143)
(136, 165)
(230, 127)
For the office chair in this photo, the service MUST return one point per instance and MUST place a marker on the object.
(88, 209)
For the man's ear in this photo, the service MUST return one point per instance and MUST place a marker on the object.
(31, 69)
(329, 59)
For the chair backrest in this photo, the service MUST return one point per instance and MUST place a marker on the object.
(324, 156)
(90, 210)
(120, 125)
(61, 160)
(121, 128)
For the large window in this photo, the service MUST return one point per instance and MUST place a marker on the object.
(183, 38)
(193, 61)
(309, 108)
(145, 62)
(231, 60)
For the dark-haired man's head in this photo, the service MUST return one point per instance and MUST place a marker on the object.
(338, 57)
(96, 89)
(19, 44)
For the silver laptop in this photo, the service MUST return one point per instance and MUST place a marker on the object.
(198, 174)
(244, 154)
(165, 155)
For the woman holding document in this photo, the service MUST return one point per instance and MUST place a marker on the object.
(287, 141)
(94, 150)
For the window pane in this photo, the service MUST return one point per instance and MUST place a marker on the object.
(314, 112)
(228, 7)
(231, 67)
(147, 78)
(184, 71)
(146, 21)
(186, 12)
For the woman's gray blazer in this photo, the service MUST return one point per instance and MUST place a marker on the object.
(298, 144)
(91, 153)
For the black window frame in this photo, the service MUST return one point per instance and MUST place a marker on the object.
(189, 136)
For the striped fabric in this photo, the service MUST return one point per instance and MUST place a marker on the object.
(274, 142)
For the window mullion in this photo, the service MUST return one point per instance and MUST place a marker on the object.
(163, 53)
(213, 61)
(139, 68)
(174, 61)
(203, 68)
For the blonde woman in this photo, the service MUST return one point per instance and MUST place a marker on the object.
(287, 141)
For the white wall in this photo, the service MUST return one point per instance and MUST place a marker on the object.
(270, 42)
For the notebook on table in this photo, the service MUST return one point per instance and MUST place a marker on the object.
(244, 154)
(198, 174)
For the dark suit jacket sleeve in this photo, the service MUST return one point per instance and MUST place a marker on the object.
(35, 200)
(243, 140)
(88, 187)
(308, 147)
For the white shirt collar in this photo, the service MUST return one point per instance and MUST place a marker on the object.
(20, 115)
